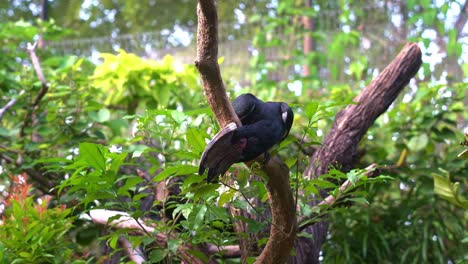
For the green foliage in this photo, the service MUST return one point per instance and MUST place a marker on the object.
(418, 135)
(449, 191)
(108, 136)
(356, 193)
(33, 233)
(127, 79)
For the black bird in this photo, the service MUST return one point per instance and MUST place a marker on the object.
(264, 124)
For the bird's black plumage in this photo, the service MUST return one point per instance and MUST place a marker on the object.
(264, 124)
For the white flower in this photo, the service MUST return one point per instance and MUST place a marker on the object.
(69, 120)
(115, 149)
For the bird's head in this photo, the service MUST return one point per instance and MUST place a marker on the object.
(287, 117)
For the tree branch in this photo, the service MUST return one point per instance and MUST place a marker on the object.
(134, 254)
(283, 228)
(101, 216)
(350, 125)
(125, 221)
(30, 114)
(304, 222)
(340, 144)
(10, 104)
(207, 64)
(461, 19)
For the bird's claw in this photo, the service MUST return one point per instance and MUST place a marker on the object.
(266, 158)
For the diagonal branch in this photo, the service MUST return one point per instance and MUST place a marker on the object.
(283, 228)
(304, 222)
(10, 104)
(350, 125)
(30, 114)
(340, 146)
(461, 20)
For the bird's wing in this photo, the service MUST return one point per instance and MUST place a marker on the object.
(221, 153)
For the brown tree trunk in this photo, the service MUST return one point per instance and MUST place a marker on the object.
(44, 17)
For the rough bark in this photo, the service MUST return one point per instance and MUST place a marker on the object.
(207, 64)
(350, 125)
(283, 228)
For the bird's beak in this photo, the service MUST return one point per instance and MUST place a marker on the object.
(284, 116)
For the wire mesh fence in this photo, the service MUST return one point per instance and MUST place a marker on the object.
(236, 43)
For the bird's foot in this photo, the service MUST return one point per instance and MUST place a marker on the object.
(266, 158)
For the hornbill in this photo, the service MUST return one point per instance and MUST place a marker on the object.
(264, 124)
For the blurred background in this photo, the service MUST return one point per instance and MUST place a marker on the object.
(119, 76)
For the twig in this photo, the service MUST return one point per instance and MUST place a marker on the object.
(247, 200)
(7, 158)
(10, 104)
(330, 200)
(40, 74)
(30, 114)
(230, 251)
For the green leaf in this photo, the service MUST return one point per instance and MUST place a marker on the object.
(205, 190)
(322, 183)
(197, 216)
(173, 245)
(101, 116)
(117, 161)
(354, 176)
(163, 95)
(359, 200)
(226, 197)
(199, 255)
(92, 155)
(195, 140)
(311, 109)
(113, 241)
(448, 190)
(26, 255)
(290, 161)
(138, 150)
(157, 255)
(418, 143)
(177, 116)
(176, 170)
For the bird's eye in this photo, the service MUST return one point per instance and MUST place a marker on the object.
(252, 109)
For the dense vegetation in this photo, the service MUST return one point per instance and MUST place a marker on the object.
(127, 134)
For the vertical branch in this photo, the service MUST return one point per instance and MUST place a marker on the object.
(44, 17)
(309, 43)
(207, 64)
(283, 228)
